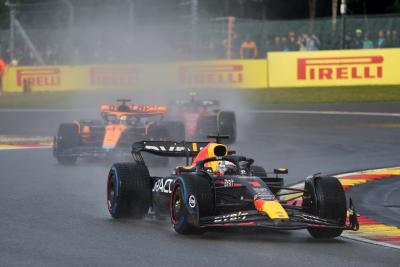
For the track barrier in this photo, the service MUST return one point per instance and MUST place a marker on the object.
(279, 69)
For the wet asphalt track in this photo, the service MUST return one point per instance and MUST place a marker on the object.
(52, 214)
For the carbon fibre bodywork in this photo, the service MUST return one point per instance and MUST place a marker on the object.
(236, 199)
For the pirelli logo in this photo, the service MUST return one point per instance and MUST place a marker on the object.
(211, 74)
(340, 68)
(114, 76)
(37, 77)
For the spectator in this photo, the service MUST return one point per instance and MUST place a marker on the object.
(357, 41)
(293, 44)
(367, 44)
(25, 57)
(311, 42)
(285, 45)
(381, 41)
(277, 45)
(388, 38)
(248, 49)
(301, 41)
(395, 39)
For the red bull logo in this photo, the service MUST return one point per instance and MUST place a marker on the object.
(340, 68)
(37, 77)
(211, 74)
(114, 76)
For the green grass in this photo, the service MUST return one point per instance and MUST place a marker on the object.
(356, 94)
(85, 99)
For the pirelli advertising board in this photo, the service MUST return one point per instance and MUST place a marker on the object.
(249, 74)
(334, 68)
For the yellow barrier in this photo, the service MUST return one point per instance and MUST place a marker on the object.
(334, 68)
(282, 69)
(202, 74)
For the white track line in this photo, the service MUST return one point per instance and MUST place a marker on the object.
(22, 148)
(323, 112)
(361, 239)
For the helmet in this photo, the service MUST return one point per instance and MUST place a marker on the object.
(226, 168)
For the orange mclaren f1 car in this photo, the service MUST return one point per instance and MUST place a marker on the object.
(121, 125)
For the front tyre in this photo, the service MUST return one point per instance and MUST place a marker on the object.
(325, 198)
(128, 190)
(191, 199)
(67, 139)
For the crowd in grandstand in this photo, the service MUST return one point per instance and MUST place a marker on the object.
(242, 46)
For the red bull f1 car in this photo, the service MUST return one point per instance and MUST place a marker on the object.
(121, 125)
(204, 117)
(221, 189)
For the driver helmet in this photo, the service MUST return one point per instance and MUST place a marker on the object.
(226, 168)
(123, 119)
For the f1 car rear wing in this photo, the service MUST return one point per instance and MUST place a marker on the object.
(168, 148)
(195, 102)
(135, 109)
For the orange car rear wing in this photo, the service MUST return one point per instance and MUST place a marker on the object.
(135, 109)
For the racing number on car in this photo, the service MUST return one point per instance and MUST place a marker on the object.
(228, 182)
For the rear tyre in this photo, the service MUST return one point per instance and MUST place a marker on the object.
(325, 198)
(128, 190)
(191, 199)
(227, 125)
(68, 137)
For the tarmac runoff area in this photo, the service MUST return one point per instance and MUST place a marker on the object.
(54, 214)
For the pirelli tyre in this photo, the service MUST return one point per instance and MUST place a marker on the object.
(191, 198)
(325, 197)
(67, 139)
(227, 125)
(128, 190)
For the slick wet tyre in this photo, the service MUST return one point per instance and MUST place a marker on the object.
(68, 137)
(128, 190)
(191, 199)
(325, 198)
